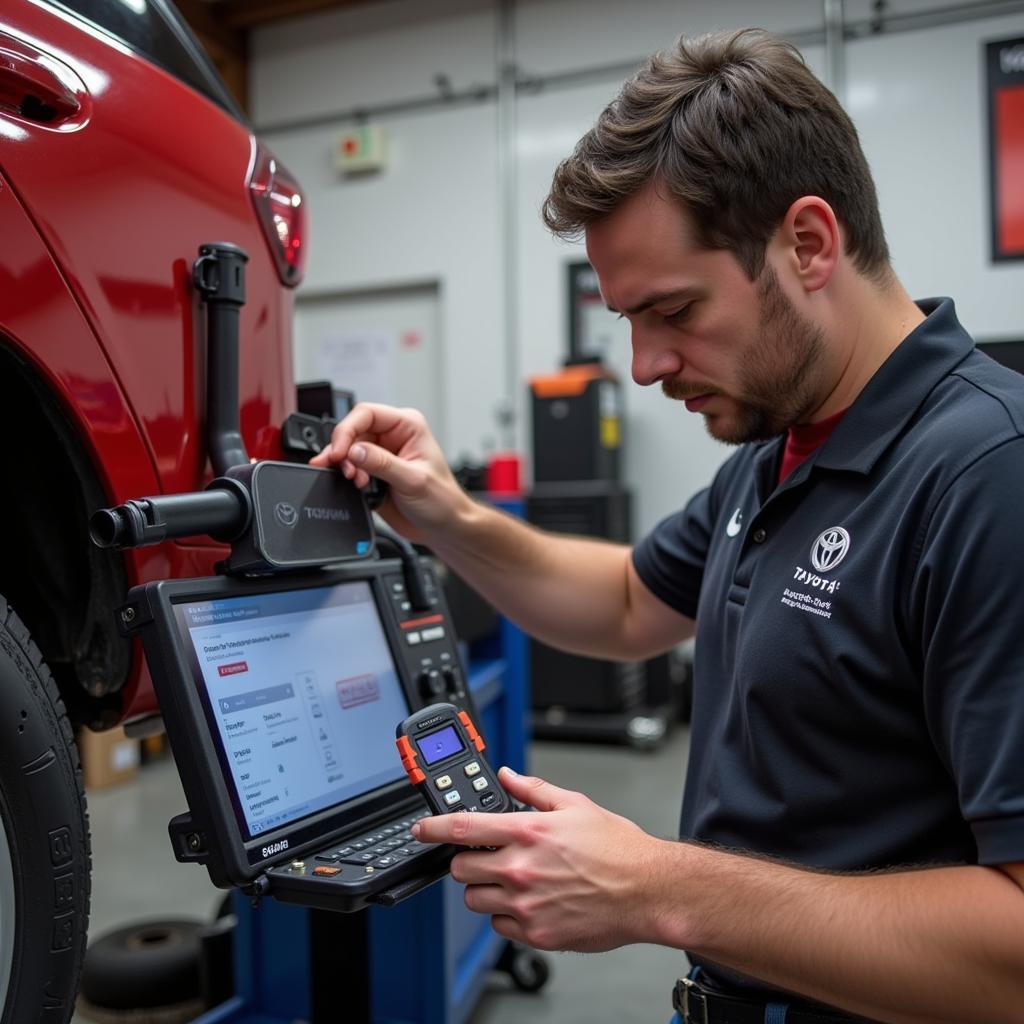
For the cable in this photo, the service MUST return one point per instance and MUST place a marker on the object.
(412, 569)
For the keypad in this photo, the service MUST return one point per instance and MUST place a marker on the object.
(382, 848)
(387, 845)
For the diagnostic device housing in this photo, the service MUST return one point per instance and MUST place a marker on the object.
(443, 754)
(280, 696)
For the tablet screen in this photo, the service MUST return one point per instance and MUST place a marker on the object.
(305, 696)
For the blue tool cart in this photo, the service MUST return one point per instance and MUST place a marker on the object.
(424, 961)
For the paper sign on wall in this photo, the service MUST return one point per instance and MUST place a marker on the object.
(359, 361)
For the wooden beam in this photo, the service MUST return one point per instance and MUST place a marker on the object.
(227, 47)
(205, 20)
(247, 14)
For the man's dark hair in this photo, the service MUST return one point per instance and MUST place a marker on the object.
(737, 127)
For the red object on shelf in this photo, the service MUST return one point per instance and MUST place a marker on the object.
(503, 473)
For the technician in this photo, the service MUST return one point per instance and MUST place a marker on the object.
(853, 821)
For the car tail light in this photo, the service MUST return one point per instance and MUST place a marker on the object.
(282, 211)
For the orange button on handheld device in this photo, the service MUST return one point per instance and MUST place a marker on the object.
(475, 738)
(408, 756)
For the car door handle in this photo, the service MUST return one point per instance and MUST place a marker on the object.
(31, 89)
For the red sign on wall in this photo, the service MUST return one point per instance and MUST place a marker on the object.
(1005, 61)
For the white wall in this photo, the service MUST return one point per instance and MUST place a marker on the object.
(568, 35)
(377, 53)
(433, 217)
(919, 103)
(917, 99)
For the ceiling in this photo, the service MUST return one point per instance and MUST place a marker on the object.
(246, 14)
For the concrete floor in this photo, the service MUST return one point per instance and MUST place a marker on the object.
(135, 876)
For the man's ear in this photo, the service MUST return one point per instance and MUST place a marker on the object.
(810, 242)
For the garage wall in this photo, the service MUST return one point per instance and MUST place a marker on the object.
(435, 214)
(918, 100)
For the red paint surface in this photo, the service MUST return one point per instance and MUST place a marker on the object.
(102, 212)
(1009, 138)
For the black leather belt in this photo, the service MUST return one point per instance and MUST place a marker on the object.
(696, 1004)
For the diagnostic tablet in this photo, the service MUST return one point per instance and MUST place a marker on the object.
(280, 698)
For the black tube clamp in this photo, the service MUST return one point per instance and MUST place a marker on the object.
(219, 272)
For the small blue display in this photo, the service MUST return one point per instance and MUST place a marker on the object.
(441, 744)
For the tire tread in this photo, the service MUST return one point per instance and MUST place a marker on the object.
(12, 624)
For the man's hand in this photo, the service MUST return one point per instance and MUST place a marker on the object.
(575, 593)
(396, 445)
(570, 875)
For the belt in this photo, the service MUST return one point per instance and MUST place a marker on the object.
(695, 1004)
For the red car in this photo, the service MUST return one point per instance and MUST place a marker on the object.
(121, 153)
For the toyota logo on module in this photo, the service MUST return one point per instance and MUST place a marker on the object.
(286, 514)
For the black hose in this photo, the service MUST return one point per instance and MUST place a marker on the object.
(219, 277)
(223, 512)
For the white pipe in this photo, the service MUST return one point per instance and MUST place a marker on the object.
(507, 181)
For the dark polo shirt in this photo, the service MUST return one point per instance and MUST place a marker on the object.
(859, 674)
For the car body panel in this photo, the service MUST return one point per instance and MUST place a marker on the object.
(123, 201)
(102, 212)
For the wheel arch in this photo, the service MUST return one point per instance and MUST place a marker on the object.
(63, 587)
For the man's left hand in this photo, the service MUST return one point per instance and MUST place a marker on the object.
(569, 875)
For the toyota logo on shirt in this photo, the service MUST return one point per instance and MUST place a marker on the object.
(830, 548)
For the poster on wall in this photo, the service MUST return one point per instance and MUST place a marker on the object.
(360, 361)
(593, 330)
(1005, 63)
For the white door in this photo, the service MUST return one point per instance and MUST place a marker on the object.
(385, 345)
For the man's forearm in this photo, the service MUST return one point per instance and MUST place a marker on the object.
(568, 591)
(911, 947)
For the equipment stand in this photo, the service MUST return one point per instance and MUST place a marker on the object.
(424, 961)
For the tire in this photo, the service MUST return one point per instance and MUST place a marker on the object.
(145, 965)
(529, 971)
(44, 839)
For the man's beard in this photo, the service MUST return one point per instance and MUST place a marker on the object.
(779, 378)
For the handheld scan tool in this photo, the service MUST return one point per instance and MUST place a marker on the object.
(442, 753)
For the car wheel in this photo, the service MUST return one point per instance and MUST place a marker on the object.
(44, 839)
